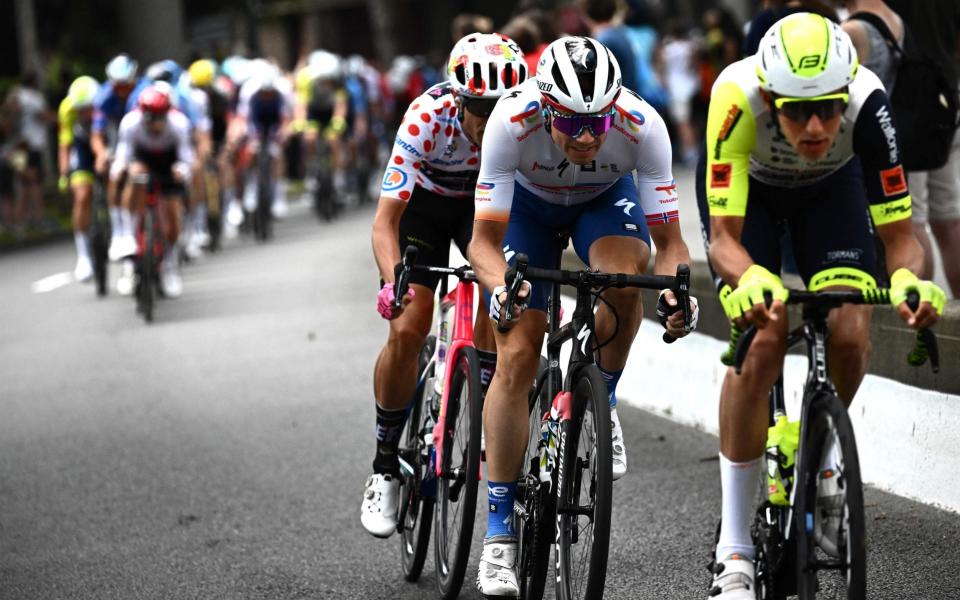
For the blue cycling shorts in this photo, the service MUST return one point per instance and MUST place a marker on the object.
(536, 226)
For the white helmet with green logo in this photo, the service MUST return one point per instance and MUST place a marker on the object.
(805, 55)
(83, 91)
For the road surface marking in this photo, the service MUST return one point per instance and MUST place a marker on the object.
(48, 284)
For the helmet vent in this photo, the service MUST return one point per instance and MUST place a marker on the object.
(609, 73)
(494, 84)
(558, 79)
(523, 73)
(460, 73)
(477, 77)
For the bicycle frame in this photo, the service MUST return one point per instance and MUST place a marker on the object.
(460, 300)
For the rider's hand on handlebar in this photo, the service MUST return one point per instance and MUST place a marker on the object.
(746, 304)
(499, 298)
(671, 317)
(100, 164)
(932, 299)
(385, 302)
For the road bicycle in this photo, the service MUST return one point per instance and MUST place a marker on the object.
(324, 200)
(440, 447)
(262, 216)
(565, 489)
(790, 559)
(150, 248)
(216, 205)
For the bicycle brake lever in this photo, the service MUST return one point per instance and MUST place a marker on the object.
(401, 274)
(514, 279)
(681, 292)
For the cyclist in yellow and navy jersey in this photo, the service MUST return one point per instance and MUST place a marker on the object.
(323, 105)
(799, 136)
(76, 161)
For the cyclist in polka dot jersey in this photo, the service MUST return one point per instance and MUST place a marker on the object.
(426, 200)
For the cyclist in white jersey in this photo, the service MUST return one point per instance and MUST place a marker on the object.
(559, 155)
(426, 200)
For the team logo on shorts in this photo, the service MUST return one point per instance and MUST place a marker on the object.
(393, 179)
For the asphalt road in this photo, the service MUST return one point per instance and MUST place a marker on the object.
(221, 452)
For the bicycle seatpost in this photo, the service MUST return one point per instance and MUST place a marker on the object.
(401, 274)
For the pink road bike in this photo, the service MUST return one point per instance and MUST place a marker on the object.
(440, 447)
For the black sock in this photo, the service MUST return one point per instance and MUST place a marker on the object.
(389, 427)
(488, 366)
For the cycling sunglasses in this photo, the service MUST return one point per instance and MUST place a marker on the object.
(574, 125)
(481, 107)
(800, 110)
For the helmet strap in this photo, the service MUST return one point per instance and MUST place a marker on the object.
(547, 120)
(460, 110)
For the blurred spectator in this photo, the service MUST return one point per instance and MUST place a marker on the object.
(601, 14)
(524, 31)
(27, 148)
(935, 27)
(641, 30)
(466, 23)
(8, 217)
(774, 10)
(679, 54)
(570, 20)
(872, 48)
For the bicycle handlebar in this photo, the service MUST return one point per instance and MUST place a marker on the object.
(926, 341)
(401, 274)
(515, 276)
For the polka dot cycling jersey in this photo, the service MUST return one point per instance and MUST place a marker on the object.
(431, 150)
(518, 150)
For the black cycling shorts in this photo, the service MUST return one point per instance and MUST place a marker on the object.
(160, 165)
(430, 222)
(828, 221)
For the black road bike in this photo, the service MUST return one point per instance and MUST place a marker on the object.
(565, 488)
(100, 234)
(262, 216)
(791, 557)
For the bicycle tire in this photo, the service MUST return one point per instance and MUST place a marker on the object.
(262, 221)
(323, 197)
(415, 511)
(535, 533)
(590, 420)
(99, 239)
(215, 205)
(148, 267)
(827, 417)
(456, 503)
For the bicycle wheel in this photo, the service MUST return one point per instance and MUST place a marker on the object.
(324, 203)
(415, 512)
(215, 206)
(262, 216)
(584, 482)
(536, 523)
(99, 244)
(830, 502)
(148, 267)
(776, 555)
(459, 474)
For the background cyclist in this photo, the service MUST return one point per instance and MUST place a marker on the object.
(798, 136)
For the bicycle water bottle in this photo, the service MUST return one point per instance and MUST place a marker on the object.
(782, 441)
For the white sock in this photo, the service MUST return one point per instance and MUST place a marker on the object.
(115, 223)
(739, 482)
(126, 221)
(172, 256)
(279, 190)
(83, 250)
(339, 181)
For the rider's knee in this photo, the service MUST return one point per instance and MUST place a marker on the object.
(517, 365)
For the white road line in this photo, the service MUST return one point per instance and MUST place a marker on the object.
(48, 284)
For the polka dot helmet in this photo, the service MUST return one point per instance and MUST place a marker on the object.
(486, 65)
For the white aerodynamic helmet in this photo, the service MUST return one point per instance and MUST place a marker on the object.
(324, 65)
(486, 65)
(579, 74)
(805, 55)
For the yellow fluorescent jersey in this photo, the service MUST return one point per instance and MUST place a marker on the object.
(66, 120)
(743, 141)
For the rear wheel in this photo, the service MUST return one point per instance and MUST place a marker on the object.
(535, 495)
(215, 207)
(459, 474)
(100, 239)
(417, 484)
(585, 482)
(831, 546)
(148, 267)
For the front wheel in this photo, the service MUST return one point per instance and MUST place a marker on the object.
(584, 490)
(831, 547)
(459, 474)
(148, 267)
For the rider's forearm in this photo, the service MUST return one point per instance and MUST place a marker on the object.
(97, 144)
(63, 159)
(729, 259)
(670, 252)
(901, 247)
(487, 261)
(386, 241)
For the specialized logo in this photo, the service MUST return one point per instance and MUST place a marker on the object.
(626, 204)
(544, 86)
(529, 114)
(393, 179)
(720, 175)
(563, 166)
(893, 180)
(584, 336)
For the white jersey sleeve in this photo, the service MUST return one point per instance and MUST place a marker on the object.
(499, 159)
(656, 187)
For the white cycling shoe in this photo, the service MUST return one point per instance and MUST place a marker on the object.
(234, 214)
(378, 513)
(83, 272)
(170, 281)
(733, 579)
(619, 449)
(279, 208)
(829, 511)
(122, 246)
(127, 279)
(497, 577)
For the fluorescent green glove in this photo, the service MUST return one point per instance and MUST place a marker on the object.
(63, 184)
(903, 282)
(753, 283)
